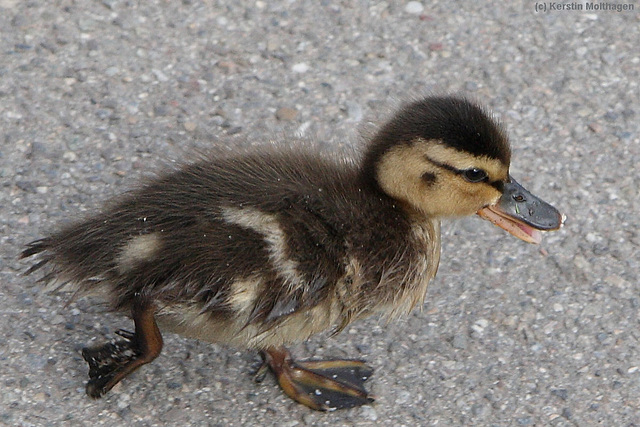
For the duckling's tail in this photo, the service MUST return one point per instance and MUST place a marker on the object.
(34, 248)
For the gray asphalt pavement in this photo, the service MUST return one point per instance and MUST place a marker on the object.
(95, 95)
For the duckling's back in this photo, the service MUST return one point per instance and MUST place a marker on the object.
(259, 239)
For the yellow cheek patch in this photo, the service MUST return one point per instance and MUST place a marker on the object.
(406, 174)
(399, 172)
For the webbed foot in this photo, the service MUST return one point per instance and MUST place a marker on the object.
(323, 385)
(111, 362)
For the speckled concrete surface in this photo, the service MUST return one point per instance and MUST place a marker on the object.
(94, 94)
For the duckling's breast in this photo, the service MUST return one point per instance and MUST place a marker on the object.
(395, 283)
(421, 267)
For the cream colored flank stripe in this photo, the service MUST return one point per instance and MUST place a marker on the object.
(268, 226)
(138, 250)
(244, 294)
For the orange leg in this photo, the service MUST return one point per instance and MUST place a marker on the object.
(111, 362)
(321, 385)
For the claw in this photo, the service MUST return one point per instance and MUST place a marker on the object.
(127, 335)
(261, 373)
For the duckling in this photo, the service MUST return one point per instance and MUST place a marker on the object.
(266, 248)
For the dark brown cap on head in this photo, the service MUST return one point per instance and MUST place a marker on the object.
(456, 122)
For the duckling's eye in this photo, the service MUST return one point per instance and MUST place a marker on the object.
(474, 175)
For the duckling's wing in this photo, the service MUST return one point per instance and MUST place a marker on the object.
(305, 253)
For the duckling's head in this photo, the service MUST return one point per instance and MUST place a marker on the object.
(445, 156)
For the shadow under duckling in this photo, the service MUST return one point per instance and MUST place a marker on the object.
(266, 248)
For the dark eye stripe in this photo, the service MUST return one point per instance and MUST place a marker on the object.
(443, 165)
(446, 166)
(498, 185)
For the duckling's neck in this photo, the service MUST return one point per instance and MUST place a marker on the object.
(367, 180)
(367, 173)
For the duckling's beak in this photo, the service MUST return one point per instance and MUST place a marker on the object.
(522, 214)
